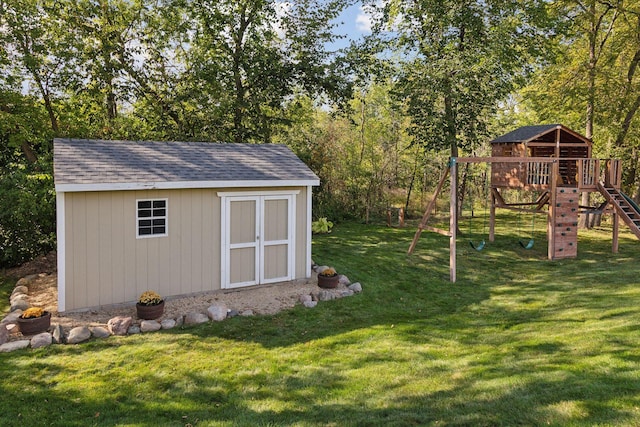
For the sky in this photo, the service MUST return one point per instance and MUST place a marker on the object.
(355, 23)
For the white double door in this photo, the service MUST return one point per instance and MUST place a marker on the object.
(258, 237)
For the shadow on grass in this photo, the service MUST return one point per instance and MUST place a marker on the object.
(519, 340)
(309, 398)
(397, 290)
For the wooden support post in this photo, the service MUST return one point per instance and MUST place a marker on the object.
(616, 232)
(427, 213)
(551, 221)
(453, 219)
(492, 218)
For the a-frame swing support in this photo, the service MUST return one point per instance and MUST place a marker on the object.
(559, 222)
(452, 171)
(453, 217)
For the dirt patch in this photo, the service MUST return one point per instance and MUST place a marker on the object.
(263, 299)
(270, 299)
(43, 264)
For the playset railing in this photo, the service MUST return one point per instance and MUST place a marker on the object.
(537, 173)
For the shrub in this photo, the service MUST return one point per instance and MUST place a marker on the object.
(28, 225)
(322, 225)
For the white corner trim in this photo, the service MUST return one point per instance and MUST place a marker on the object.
(308, 232)
(224, 246)
(175, 185)
(61, 250)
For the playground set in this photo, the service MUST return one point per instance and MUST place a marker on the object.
(554, 162)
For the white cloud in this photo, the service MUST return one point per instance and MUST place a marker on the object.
(372, 13)
(282, 9)
(364, 20)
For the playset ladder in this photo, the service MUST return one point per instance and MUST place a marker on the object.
(624, 207)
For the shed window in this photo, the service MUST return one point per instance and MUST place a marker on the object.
(151, 218)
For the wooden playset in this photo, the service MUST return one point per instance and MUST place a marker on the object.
(555, 162)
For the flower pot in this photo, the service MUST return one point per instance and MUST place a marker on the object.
(328, 282)
(149, 312)
(34, 325)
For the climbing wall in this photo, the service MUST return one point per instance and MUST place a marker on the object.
(563, 223)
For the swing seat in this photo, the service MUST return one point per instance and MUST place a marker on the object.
(528, 245)
(479, 246)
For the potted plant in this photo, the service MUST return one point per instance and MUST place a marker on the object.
(150, 305)
(34, 320)
(328, 278)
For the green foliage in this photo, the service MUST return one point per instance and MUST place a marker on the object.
(321, 226)
(364, 158)
(593, 83)
(7, 285)
(248, 58)
(459, 59)
(27, 219)
(27, 198)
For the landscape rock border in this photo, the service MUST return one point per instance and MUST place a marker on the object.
(126, 325)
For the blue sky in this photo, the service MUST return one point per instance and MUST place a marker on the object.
(355, 24)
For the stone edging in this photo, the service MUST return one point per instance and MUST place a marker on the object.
(125, 325)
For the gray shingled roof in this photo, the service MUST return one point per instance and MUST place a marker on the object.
(525, 133)
(90, 162)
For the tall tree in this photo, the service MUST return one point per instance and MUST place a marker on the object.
(594, 83)
(249, 57)
(458, 60)
(31, 37)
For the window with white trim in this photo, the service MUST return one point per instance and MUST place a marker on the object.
(151, 217)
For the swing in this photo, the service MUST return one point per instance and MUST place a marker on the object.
(480, 245)
(531, 242)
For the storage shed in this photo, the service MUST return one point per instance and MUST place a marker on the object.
(179, 218)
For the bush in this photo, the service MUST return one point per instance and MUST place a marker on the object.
(27, 217)
(321, 226)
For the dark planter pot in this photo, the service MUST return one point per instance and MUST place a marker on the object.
(35, 325)
(328, 282)
(149, 312)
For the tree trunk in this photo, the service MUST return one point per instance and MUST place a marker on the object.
(626, 123)
(633, 176)
(109, 41)
(46, 98)
(450, 126)
(628, 89)
(584, 221)
(410, 189)
(28, 152)
(240, 89)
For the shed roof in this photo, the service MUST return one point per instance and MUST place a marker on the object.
(542, 133)
(94, 165)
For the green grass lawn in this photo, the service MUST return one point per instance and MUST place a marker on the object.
(518, 340)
